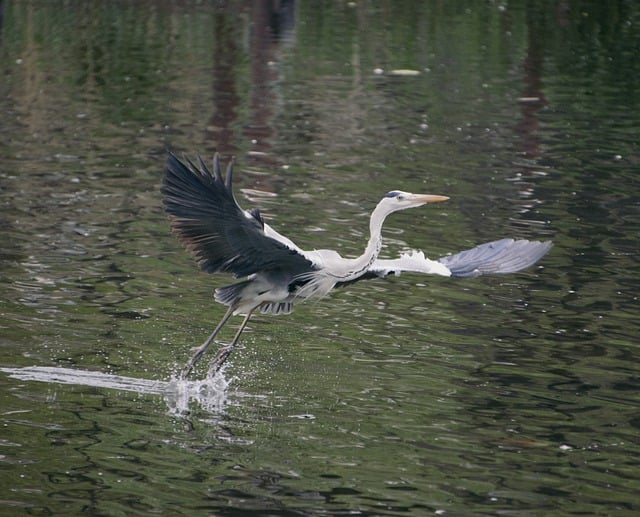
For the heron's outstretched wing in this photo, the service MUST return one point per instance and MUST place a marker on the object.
(220, 235)
(497, 257)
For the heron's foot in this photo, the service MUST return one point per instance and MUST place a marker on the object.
(221, 357)
(199, 352)
(186, 370)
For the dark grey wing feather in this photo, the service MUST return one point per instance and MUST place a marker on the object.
(503, 256)
(215, 230)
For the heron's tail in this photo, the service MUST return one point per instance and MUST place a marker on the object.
(230, 294)
(277, 308)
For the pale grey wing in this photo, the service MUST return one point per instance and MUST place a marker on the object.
(497, 257)
(215, 230)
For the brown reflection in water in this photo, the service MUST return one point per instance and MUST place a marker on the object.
(269, 25)
(532, 99)
(225, 96)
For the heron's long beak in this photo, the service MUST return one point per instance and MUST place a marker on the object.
(421, 199)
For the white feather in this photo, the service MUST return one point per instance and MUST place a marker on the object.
(413, 261)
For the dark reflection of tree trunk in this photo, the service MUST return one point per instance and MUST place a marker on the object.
(261, 48)
(225, 97)
(1, 18)
(270, 23)
(532, 99)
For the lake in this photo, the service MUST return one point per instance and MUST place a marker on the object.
(416, 395)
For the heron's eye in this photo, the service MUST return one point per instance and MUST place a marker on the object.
(394, 193)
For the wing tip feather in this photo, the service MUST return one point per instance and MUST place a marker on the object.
(497, 257)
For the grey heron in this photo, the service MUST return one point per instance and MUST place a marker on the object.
(276, 273)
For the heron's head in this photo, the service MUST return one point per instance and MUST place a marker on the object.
(399, 200)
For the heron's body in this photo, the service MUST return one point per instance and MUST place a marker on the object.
(277, 274)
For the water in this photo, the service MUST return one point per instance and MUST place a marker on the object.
(504, 395)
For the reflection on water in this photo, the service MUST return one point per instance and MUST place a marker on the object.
(413, 395)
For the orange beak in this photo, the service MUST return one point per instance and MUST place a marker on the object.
(421, 199)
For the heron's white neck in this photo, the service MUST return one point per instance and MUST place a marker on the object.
(357, 266)
(344, 270)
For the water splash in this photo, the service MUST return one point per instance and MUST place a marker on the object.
(210, 393)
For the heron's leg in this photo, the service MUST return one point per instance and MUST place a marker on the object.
(225, 351)
(194, 359)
